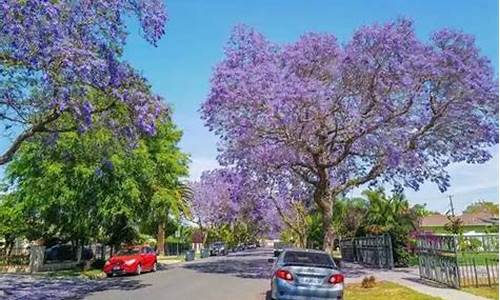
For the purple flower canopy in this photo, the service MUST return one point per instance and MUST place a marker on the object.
(225, 196)
(54, 54)
(383, 106)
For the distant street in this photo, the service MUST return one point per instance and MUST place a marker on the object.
(239, 276)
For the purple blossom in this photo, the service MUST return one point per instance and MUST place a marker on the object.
(55, 53)
(384, 107)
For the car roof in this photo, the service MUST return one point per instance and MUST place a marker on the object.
(135, 247)
(304, 250)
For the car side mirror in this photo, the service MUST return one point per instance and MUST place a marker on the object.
(270, 260)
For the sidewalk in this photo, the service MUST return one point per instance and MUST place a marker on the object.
(168, 260)
(406, 277)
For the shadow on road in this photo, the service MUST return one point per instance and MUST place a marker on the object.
(28, 287)
(257, 268)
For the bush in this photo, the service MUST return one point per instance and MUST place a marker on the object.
(413, 260)
(98, 263)
(368, 282)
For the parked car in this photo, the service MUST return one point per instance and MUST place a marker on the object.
(240, 247)
(278, 248)
(251, 246)
(62, 252)
(306, 274)
(131, 260)
(217, 248)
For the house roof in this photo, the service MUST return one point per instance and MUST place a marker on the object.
(481, 219)
(433, 220)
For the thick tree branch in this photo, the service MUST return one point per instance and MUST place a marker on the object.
(28, 133)
(40, 127)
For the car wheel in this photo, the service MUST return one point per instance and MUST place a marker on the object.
(109, 275)
(155, 267)
(138, 271)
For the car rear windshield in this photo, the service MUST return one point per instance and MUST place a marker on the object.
(129, 251)
(308, 259)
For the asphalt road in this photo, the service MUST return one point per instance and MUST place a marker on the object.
(242, 276)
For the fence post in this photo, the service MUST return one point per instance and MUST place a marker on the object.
(37, 254)
(475, 270)
(391, 252)
(455, 252)
(487, 271)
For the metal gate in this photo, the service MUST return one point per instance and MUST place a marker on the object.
(437, 259)
(373, 251)
(458, 261)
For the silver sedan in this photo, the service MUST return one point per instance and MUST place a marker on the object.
(306, 274)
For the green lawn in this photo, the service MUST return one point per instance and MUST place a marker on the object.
(480, 258)
(90, 274)
(171, 257)
(383, 291)
(487, 292)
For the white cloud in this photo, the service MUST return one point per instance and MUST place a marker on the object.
(198, 165)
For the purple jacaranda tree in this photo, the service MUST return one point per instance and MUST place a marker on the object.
(385, 107)
(212, 203)
(54, 54)
(228, 196)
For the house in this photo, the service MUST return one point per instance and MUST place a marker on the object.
(477, 222)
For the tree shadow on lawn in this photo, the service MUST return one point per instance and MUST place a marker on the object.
(243, 268)
(44, 288)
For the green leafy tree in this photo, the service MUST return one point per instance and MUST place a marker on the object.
(12, 224)
(163, 166)
(348, 215)
(482, 207)
(455, 225)
(92, 186)
(394, 216)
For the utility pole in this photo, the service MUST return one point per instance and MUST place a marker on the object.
(451, 205)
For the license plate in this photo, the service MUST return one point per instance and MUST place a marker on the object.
(310, 280)
(116, 268)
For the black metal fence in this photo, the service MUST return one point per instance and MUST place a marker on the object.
(478, 271)
(374, 251)
(177, 248)
(459, 261)
(14, 256)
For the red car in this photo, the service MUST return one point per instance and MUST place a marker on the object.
(131, 260)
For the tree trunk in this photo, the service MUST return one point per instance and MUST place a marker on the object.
(9, 243)
(160, 239)
(323, 198)
(205, 237)
(327, 214)
(303, 240)
(103, 249)
(79, 248)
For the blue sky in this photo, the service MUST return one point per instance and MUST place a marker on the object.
(180, 68)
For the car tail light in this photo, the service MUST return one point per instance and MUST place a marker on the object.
(336, 278)
(284, 274)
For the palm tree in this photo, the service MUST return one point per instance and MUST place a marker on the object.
(174, 202)
(385, 213)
